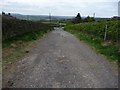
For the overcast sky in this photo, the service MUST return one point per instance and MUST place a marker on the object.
(101, 8)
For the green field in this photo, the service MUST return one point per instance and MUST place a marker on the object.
(93, 33)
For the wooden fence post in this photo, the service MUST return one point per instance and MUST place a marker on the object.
(105, 33)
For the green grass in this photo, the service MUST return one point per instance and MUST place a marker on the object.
(88, 32)
(98, 29)
(15, 48)
(26, 37)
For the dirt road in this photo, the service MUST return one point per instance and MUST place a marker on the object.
(60, 60)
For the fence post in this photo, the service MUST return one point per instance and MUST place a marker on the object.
(105, 33)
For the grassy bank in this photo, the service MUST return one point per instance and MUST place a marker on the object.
(16, 47)
(93, 34)
(18, 36)
(13, 27)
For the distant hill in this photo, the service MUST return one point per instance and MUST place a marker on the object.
(6, 16)
(46, 17)
(40, 17)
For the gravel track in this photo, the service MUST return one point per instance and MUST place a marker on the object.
(60, 60)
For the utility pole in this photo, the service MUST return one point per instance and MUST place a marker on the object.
(93, 15)
(50, 20)
(50, 17)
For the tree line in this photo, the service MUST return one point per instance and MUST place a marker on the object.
(78, 19)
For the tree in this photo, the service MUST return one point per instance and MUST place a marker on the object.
(78, 16)
(3, 13)
(77, 19)
(89, 19)
(9, 14)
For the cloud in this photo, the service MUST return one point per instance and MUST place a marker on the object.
(103, 8)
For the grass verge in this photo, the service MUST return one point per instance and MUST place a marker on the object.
(16, 47)
(110, 50)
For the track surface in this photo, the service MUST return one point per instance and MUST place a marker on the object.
(60, 60)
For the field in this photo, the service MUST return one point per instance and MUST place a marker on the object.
(94, 34)
(19, 36)
(13, 27)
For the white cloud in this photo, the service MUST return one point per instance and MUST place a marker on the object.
(62, 7)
